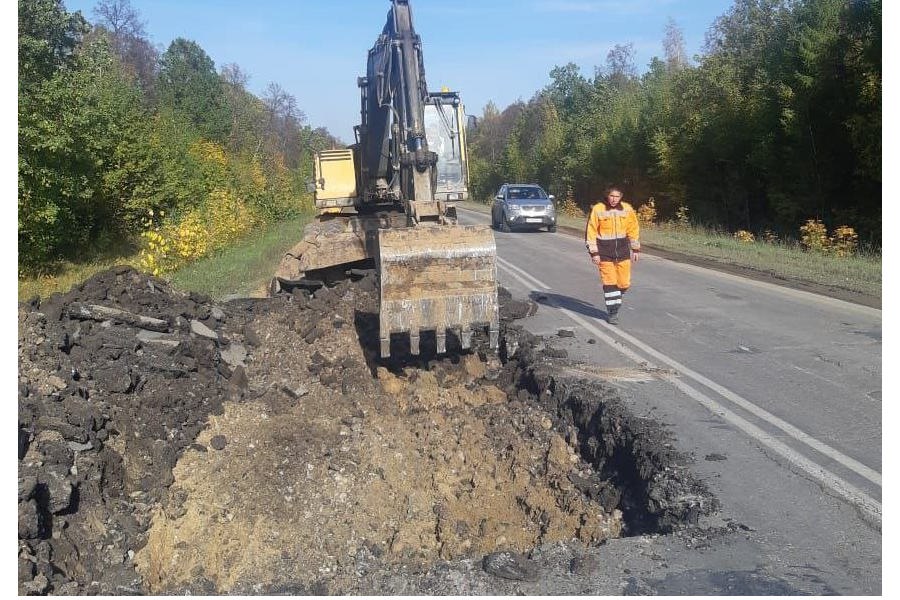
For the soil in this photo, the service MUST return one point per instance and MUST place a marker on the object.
(260, 446)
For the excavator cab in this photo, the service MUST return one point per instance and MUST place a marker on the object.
(446, 133)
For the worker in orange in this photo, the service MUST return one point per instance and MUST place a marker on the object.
(612, 237)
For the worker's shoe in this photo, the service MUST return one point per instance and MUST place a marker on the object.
(612, 318)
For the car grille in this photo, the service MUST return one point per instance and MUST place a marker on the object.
(538, 208)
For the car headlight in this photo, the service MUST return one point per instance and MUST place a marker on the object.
(551, 209)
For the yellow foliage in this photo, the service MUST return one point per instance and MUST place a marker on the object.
(647, 212)
(569, 207)
(210, 152)
(843, 241)
(219, 221)
(814, 236)
(742, 235)
(257, 176)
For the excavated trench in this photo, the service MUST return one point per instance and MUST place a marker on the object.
(261, 446)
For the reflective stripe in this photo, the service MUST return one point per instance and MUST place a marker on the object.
(611, 213)
(635, 245)
(614, 302)
(611, 236)
(614, 294)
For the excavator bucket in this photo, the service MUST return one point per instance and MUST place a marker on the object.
(440, 278)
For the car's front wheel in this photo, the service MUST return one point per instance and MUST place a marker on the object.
(504, 224)
(551, 228)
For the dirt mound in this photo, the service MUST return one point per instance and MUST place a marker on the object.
(410, 467)
(105, 411)
(171, 445)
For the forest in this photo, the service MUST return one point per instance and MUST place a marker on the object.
(123, 144)
(777, 122)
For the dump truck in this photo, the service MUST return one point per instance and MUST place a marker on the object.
(389, 199)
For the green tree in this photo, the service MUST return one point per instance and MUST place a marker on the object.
(82, 155)
(778, 122)
(189, 84)
(48, 36)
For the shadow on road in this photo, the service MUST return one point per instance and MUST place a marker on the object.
(569, 303)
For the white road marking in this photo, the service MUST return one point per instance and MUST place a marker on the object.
(797, 434)
(869, 506)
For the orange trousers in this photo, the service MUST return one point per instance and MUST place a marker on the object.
(616, 274)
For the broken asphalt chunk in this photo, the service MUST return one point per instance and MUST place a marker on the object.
(510, 565)
(201, 330)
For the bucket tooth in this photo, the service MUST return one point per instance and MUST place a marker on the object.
(414, 342)
(441, 342)
(465, 338)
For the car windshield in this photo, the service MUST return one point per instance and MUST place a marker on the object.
(526, 193)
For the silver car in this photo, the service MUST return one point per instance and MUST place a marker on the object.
(523, 205)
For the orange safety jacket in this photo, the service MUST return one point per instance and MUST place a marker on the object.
(612, 233)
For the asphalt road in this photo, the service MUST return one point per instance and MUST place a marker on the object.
(776, 392)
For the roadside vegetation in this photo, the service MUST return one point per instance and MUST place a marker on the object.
(129, 155)
(859, 272)
(776, 123)
(243, 268)
(66, 274)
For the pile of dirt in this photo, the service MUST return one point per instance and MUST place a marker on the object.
(168, 444)
(331, 468)
(106, 408)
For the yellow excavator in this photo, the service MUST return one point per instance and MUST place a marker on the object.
(390, 198)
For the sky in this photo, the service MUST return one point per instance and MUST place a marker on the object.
(499, 50)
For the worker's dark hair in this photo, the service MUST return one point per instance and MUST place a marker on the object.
(613, 188)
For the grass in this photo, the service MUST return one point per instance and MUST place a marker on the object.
(858, 273)
(244, 268)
